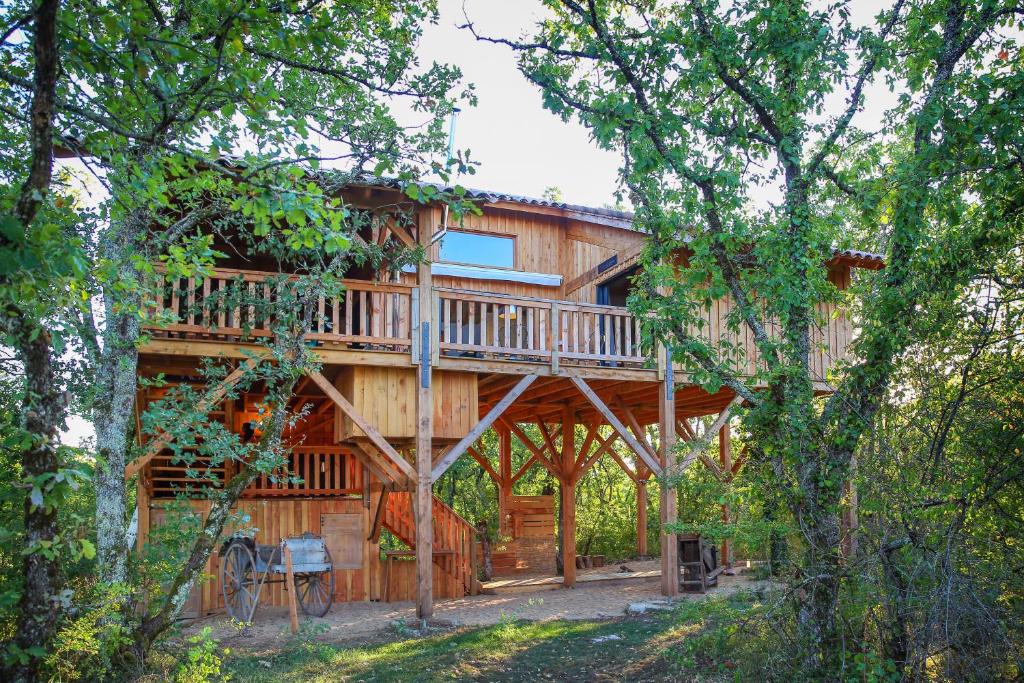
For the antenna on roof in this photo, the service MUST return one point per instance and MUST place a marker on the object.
(437, 236)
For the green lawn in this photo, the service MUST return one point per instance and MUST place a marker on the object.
(677, 645)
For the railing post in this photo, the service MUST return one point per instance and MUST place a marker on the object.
(554, 329)
(435, 325)
(414, 342)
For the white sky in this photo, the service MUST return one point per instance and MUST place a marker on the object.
(523, 148)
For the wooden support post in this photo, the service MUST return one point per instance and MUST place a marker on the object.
(725, 458)
(427, 221)
(641, 517)
(568, 498)
(293, 601)
(666, 447)
(505, 485)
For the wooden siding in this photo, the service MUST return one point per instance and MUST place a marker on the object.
(538, 238)
(386, 398)
(273, 520)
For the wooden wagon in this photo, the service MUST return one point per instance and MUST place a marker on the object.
(246, 566)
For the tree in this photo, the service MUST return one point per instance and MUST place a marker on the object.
(185, 113)
(941, 480)
(715, 107)
(36, 265)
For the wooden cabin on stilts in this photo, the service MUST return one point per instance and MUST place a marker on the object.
(517, 317)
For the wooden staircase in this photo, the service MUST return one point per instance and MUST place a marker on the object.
(453, 540)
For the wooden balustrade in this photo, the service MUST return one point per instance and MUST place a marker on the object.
(523, 328)
(312, 471)
(452, 543)
(237, 305)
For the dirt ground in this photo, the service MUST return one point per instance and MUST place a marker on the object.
(356, 621)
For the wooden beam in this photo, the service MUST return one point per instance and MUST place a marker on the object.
(548, 441)
(371, 432)
(716, 471)
(588, 441)
(697, 445)
(725, 458)
(538, 453)
(641, 518)
(205, 405)
(482, 461)
(423, 499)
(381, 466)
(399, 231)
(506, 480)
(616, 424)
(605, 446)
(378, 517)
(568, 459)
(638, 431)
(482, 426)
(684, 430)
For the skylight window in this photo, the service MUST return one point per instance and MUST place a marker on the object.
(477, 249)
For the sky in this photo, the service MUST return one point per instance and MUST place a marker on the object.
(523, 148)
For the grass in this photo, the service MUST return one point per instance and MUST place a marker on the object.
(677, 645)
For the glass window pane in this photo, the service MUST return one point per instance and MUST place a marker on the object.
(478, 250)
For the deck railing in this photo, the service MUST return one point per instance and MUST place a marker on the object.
(522, 328)
(312, 471)
(379, 316)
(370, 314)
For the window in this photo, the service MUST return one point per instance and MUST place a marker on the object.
(476, 249)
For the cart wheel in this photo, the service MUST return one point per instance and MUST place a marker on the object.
(238, 581)
(316, 591)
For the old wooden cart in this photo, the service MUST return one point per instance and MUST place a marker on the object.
(246, 566)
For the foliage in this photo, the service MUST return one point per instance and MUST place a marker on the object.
(202, 662)
(87, 645)
(747, 187)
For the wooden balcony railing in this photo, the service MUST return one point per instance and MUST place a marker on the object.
(522, 328)
(380, 317)
(369, 314)
(312, 471)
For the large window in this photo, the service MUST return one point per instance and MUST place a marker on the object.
(473, 248)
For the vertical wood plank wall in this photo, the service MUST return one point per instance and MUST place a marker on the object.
(276, 519)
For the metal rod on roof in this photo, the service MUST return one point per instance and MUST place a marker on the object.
(451, 154)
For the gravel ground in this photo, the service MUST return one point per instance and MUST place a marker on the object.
(359, 620)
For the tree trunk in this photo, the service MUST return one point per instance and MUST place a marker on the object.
(42, 413)
(209, 536)
(485, 550)
(43, 406)
(114, 396)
